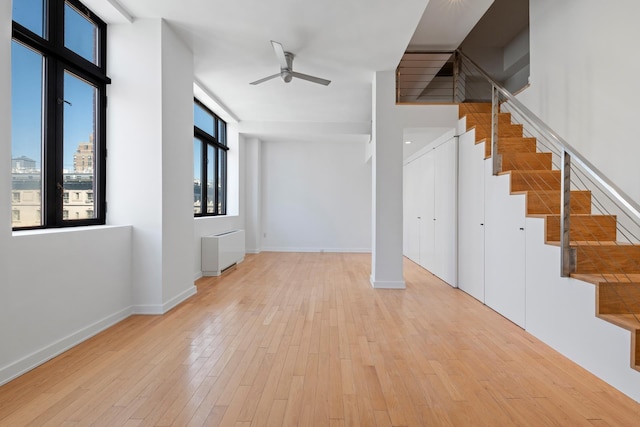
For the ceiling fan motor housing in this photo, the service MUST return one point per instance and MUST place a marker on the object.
(285, 73)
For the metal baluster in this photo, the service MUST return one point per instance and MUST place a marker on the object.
(567, 254)
(495, 109)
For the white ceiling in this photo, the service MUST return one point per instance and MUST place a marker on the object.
(344, 41)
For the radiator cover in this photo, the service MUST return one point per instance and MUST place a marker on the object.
(221, 251)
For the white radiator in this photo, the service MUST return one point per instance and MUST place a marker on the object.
(221, 251)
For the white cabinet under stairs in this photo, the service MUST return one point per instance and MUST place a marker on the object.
(430, 204)
(517, 273)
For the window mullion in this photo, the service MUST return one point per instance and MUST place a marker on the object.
(215, 182)
(203, 175)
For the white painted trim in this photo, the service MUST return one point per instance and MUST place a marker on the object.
(159, 309)
(197, 276)
(37, 358)
(121, 10)
(254, 251)
(148, 309)
(212, 101)
(328, 250)
(183, 296)
(381, 284)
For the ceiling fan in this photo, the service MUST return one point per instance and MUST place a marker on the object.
(286, 68)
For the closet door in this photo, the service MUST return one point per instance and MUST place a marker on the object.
(504, 249)
(425, 197)
(410, 216)
(445, 218)
(471, 166)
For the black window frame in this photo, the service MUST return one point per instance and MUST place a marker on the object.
(219, 143)
(59, 59)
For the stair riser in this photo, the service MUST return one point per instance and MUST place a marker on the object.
(484, 120)
(503, 131)
(469, 108)
(618, 298)
(535, 181)
(546, 204)
(587, 228)
(526, 161)
(608, 259)
(516, 145)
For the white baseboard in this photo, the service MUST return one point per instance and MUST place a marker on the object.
(37, 358)
(328, 250)
(159, 309)
(182, 296)
(381, 284)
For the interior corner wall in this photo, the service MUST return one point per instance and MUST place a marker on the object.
(583, 84)
(177, 168)
(134, 136)
(253, 194)
(316, 196)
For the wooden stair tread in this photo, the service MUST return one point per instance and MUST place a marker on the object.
(607, 278)
(629, 322)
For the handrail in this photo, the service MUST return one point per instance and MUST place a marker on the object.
(615, 191)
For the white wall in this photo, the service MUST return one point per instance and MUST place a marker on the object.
(177, 169)
(316, 196)
(253, 191)
(135, 150)
(561, 312)
(61, 287)
(583, 68)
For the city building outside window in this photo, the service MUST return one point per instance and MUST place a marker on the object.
(58, 67)
(209, 162)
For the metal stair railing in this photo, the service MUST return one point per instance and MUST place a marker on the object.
(461, 80)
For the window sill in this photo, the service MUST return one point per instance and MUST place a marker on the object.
(47, 231)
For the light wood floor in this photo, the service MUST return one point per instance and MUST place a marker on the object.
(302, 339)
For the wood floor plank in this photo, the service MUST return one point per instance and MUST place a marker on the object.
(302, 338)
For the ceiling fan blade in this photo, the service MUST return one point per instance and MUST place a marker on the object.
(257, 82)
(311, 78)
(279, 50)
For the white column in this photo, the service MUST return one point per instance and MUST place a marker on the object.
(150, 163)
(386, 262)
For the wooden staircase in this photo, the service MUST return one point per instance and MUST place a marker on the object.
(613, 267)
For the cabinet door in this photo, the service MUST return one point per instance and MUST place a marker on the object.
(425, 198)
(471, 166)
(504, 249)
(410, 216)
(445, 233)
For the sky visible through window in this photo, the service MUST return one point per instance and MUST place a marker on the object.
(27, 86)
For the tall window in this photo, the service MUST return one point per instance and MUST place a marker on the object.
(58, 66)
(209, 162)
